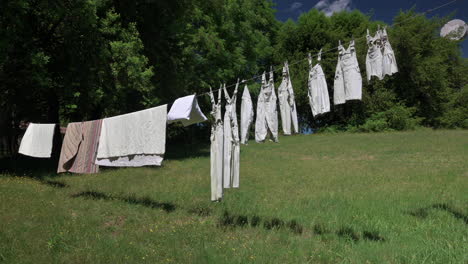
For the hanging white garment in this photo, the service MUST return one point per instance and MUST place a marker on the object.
(318, 90)
(216, 154)
(272, 112)
(186, 110)
(134, 139)
(374, 58)
(231, 141)
(247, 115)
(389, 62)
(261, 126)
(348, 80)
(267, 113)
(287, 103)
(37, 140)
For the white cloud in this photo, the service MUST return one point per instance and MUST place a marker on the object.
(331, 6)
(294, 6)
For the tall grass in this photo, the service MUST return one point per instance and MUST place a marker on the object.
(341, 198)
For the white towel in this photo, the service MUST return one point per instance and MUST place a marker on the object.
(37, 141)
(137, 133)
(186, 110)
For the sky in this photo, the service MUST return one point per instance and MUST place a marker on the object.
(382, 10)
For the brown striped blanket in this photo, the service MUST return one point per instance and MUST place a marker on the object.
(79, 147)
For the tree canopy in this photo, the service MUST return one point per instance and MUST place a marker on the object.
(63, 61)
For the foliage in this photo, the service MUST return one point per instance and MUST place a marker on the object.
(79, 60)
(457, 113)
(398, 117)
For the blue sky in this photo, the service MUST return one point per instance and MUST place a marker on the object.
(382, 10)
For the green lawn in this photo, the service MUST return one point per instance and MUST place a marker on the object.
(341, 198)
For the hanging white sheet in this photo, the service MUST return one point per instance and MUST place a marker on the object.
(186, 110)
(134, 139)
(38, 140)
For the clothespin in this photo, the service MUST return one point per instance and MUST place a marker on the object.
(339, 43)
(319, 56)
(310, 59)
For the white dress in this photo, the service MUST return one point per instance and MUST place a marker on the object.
(247, 115)
(348, 80)
(231, 141)
(318, 90)
(389, 62)
(287, 103)
(216, 154)
(374, 58)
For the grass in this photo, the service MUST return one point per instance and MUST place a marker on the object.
(342, 198)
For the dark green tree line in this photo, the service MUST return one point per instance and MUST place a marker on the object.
(63, 61)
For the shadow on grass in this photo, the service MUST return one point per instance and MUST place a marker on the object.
(144, 201)
(180, 152)
(424, 212)
(228, 220)
(23, 166)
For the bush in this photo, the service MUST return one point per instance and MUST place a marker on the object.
(401, 118)
(457, 115)
(398, 117)
(376, 123)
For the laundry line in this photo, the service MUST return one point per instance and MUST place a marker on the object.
(280, 67)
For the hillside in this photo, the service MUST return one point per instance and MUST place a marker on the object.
(382, 198)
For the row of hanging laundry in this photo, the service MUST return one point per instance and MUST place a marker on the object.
(225, 141)
(138, 139)
(131, 140)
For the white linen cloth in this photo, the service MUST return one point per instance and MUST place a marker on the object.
(267, 114)
(37, 140)
(231, 141)
(131, 161)
(138, 133)
(216, 150)
(374, 58)
(348, 80)
(318, 90)
(389, 62)
(186, 110)
(287, 103)
(247, 115)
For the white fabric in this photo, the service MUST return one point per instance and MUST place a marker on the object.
(261, 127)
(247, 115)
(374, 58)
(186, 110)
(348, 80)
(132, 161)
(37, 140)
(231, 141)
(267, 114)
(137, 133)
(389, 62)
(454, 29)
(216, 151)
(272, 112)
(318, 90)
(287, 103)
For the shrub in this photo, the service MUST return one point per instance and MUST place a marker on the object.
(398, 117)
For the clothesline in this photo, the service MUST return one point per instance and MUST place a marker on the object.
(279, 68)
